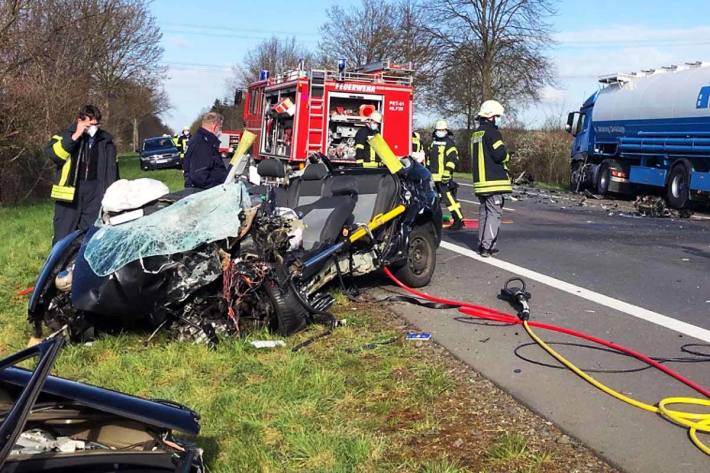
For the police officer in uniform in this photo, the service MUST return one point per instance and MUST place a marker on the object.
(365, 155)
(441, 161)
(490, 175)
(203, 166)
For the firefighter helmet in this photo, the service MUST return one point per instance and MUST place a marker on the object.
(442, 125)
(491, 108)
(375, 117)
(186, 128)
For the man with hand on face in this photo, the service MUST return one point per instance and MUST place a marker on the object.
(365, 155)
(203, 165)
(85, 156)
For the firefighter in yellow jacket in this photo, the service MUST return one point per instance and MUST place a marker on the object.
(441, 161)
(85, 157)
(364, 154)
(490, 175)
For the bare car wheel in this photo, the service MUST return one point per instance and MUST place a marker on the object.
(421, 258)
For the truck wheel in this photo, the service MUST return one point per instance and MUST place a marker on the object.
(603, 178)
(678, 187)
(576, 177)
(421, 257)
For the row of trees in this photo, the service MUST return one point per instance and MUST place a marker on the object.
(463, 51)
(55, 56)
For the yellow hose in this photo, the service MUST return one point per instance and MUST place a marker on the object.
(695, 422)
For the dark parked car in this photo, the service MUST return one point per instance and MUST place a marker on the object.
(57, 425)
(159, 153)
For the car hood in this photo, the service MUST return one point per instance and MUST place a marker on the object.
(160, 414)
(153, 152)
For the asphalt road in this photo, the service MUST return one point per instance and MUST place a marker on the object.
(641, 282)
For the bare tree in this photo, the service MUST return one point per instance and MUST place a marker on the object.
(495, 47)
(361, 34)
(380, 30)
(56, 55)
(275, 55)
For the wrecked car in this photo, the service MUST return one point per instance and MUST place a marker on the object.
(49, 423)
(210, 263)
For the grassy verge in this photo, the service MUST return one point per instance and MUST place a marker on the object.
(397, 407)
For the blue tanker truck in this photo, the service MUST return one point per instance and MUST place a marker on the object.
(645, 132)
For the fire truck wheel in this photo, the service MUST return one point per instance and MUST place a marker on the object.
(678, 187)
(421, 257)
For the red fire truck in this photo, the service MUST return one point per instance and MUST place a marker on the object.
(228, 142)
(301, 112)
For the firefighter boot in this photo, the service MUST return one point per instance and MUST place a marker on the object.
(458, 222)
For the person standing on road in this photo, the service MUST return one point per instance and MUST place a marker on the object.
(364, 154)
(490, 175)
(85, 157)
(441, 161)
(203, 166)
(182, 141)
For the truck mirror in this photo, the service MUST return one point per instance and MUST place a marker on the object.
(572, 122)
(238, 95)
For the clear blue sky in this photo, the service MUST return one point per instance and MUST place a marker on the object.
(203, 40)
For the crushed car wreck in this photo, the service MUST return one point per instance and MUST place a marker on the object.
(210, 263)
(49, 423)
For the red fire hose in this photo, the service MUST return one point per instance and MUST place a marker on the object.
(481, 312)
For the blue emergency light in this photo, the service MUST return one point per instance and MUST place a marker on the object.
(263, 74)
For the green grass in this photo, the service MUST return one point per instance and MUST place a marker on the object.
(510, 452)
(320, 409)
(130, 169)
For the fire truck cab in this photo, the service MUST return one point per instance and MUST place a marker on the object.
(302, 112)
(228, 142)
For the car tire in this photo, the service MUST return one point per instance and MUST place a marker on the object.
(678, 187)
(288, 316)
(603, 179)
(419, 266)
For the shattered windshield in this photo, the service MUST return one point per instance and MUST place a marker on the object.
(200, 218)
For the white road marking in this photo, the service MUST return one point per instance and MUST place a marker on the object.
(630, 309)
(465, 185)
(505, 209)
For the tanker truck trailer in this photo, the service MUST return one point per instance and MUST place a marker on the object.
(644, 132)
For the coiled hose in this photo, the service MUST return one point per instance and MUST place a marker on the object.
(695, 422)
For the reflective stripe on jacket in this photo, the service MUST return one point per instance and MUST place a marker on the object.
(364, 154)
(67, 155)
(490, 160)
(416, 142)
(60, 149)
(442, 158)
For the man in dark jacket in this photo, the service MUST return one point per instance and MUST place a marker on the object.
(490, 175)
(86, 165)
(203, 165)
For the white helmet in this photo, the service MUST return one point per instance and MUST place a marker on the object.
(442, 125)
(186, 128)
(491, 108)
(375, 117)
